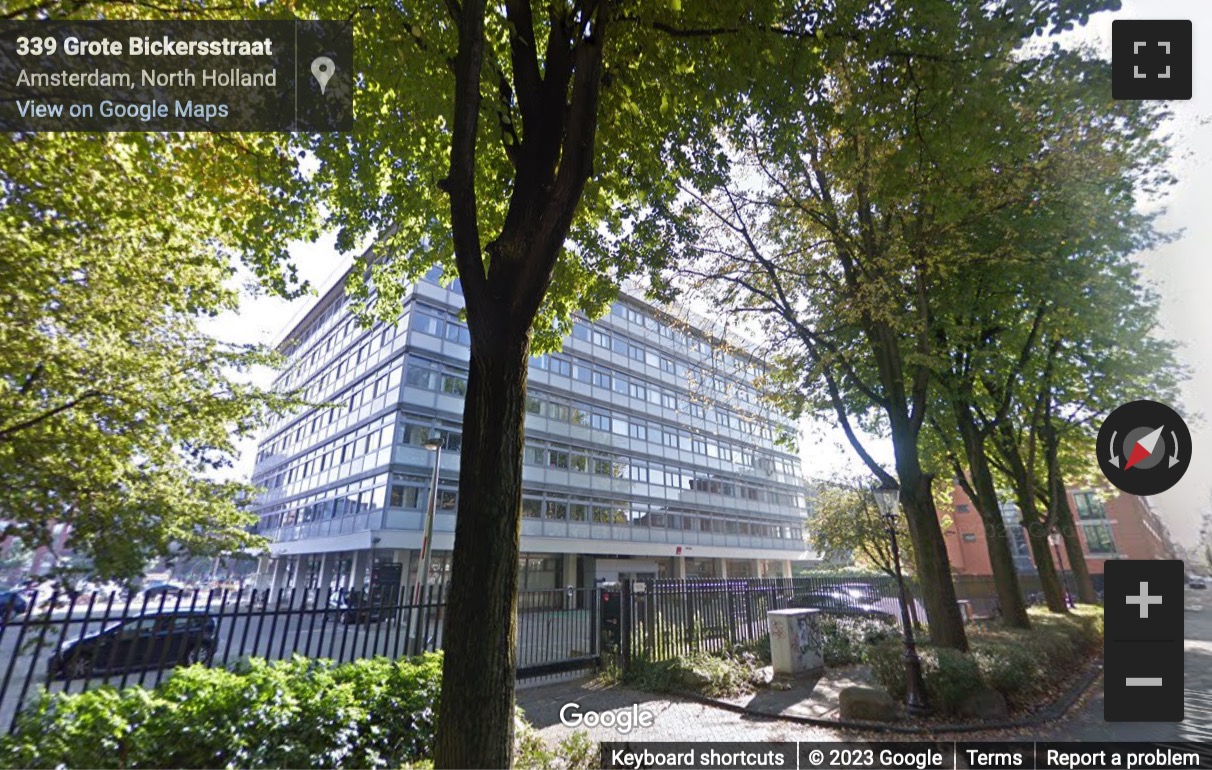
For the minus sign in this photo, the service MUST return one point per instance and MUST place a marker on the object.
(1143, 681)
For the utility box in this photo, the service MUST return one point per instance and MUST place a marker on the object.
(797, 646)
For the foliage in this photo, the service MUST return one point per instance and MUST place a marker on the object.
(848, 639)
(1020, 664)
(723, 674)
(576, 752)
(114, 404)
(297, 713)
(15, 560)
(846, 519)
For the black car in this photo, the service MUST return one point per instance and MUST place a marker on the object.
(833, 602)
(148, 641)
(168, 592)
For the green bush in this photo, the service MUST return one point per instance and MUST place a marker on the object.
(887, 662)
(576, 752)
(1017, 663)
(950, 676)
(296, 713)
(848, 639)
(723, 674)
(1009, 667)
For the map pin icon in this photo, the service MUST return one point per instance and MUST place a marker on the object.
(322, 69)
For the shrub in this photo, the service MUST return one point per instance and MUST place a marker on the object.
(296, 713)
(950, 676)
(887, 663)
(847, 639)
(1010, 668)
(716, 675)
(1017, 663)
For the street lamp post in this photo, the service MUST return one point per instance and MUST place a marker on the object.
(915, 688)
(1054, 539)
(419, 589)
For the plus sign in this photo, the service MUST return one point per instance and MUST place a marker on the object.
(1144, 600)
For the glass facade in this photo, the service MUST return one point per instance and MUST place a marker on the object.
(643, 429)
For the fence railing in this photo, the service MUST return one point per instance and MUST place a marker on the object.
(664, 619)
(73, 643)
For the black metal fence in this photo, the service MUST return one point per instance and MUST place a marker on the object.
(664, 619)
(71, 644)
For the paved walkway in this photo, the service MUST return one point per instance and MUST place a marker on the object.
(673, 719)
(681, 719)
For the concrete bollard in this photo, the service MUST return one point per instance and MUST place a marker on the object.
(797, 647)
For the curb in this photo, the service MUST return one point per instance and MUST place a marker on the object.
(1056, 710)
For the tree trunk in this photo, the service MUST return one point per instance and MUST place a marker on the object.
(1049, 578)
(946, 624)
(476, 714)
(1001, 560)
(1062, 517)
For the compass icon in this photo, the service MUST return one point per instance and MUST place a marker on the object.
(1144, 447)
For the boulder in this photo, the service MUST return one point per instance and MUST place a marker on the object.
(870, 704)
(984, 704)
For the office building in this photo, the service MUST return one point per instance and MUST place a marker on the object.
(649, 452)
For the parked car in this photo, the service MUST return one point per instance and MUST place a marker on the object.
(148, 641)
(167, 591)
(12, 604)
(1196, 582)
(355, 607)
(834, 602)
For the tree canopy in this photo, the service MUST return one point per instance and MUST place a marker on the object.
(114, 407)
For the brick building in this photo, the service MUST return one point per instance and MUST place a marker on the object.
(1111, 525)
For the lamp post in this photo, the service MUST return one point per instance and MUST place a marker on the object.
(1054, 539)
(434, 444)
(887, 498)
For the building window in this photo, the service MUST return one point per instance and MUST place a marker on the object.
(531, 508)
(1099, 539)
(561, 366)
(455, 386)
(419, 377)
(1089, 507)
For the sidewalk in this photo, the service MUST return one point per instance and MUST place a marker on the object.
(674, 718)
(770, 714)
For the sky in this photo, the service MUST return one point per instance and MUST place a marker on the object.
(1180, 272)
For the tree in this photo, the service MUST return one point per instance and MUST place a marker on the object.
(536, 148)
(15, 560)
(113, 405)
(860, 220)
(847, 519)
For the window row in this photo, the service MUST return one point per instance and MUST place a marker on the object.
(561, 457)
(554, 507)
(348, 401)
(347, 500)
(664, 434)
(343, 449)
(606, 378)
